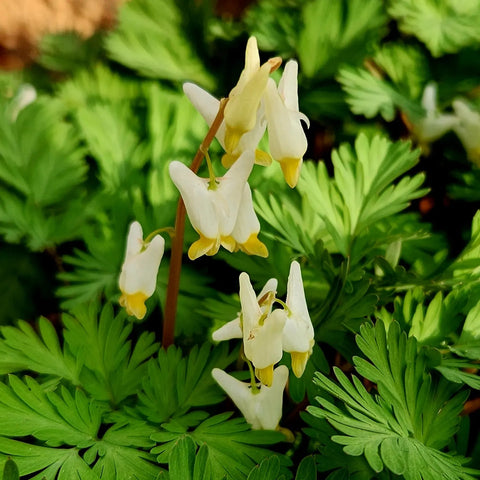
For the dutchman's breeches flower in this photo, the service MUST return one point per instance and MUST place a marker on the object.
(468, 129)
(434, 124)
(244, 99)
(138, 277)
(298, 334)
(222, 214)
(207, 105)
(287, 139)
(261, 408)
(262, 332)
(233, 329)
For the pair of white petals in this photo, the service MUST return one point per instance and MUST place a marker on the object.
(224, 215)
(138, 278)
(266, 334)
(262, 409)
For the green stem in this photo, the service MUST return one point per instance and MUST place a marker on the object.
(177, 239)
(169, 230)
(212, 183)
(253, 380)
(284, 305)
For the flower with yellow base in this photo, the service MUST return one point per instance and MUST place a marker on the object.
(287, 140)
(261, 406)
(298, 333)
(138, 277)
(262, 331)
(244, 98)
(220, 209)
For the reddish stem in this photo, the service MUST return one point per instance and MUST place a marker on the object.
(177, 239)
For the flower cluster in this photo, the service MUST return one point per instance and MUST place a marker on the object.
(266, 334)
(220, 208)
(254, 104)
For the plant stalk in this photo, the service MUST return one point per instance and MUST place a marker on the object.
(177, 238)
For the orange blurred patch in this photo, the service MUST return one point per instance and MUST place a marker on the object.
(24, 22)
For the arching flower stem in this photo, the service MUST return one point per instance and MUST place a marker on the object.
(177, 238)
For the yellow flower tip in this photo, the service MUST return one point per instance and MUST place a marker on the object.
(265, 375)
(274, 63)
(291, 170)
(289, 436)
(229, 159)
(229, 243)
(299, 362)
(203, 246)
(232, 137)
(253, 246)
(262, 158)
(134, 304)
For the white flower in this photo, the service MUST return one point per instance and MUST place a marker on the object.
(244, 99)
(223, 215)
(262, 332)
(286, 137)
(263, 409)
(247, 227)
(468, 129)
(138, 277)
(434, 124)
(233, 329)
(25, 96)
(298, 333)
(208, 107)
(213, 210)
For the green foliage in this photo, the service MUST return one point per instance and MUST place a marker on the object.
(41, 171)
(412, 411)
(351, 29)
(194, 385)
(362, 191)
(444, 26)
(112, 368)
(233, 449)
(465, 267)
(150, 39)
(24, 349)
(183, 464)
(406, 66)
(66, 52)
(10, 470)
(275, 25)
(371, 96)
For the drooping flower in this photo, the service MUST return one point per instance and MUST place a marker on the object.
(213, 209)
(298, 333)
(138, 277)
(287, 139)
(207, 105)
(262, 331)
(262, 409)
(434, 124)
(233, 329)
(468, 129)
(244, 99)
(247, 227)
